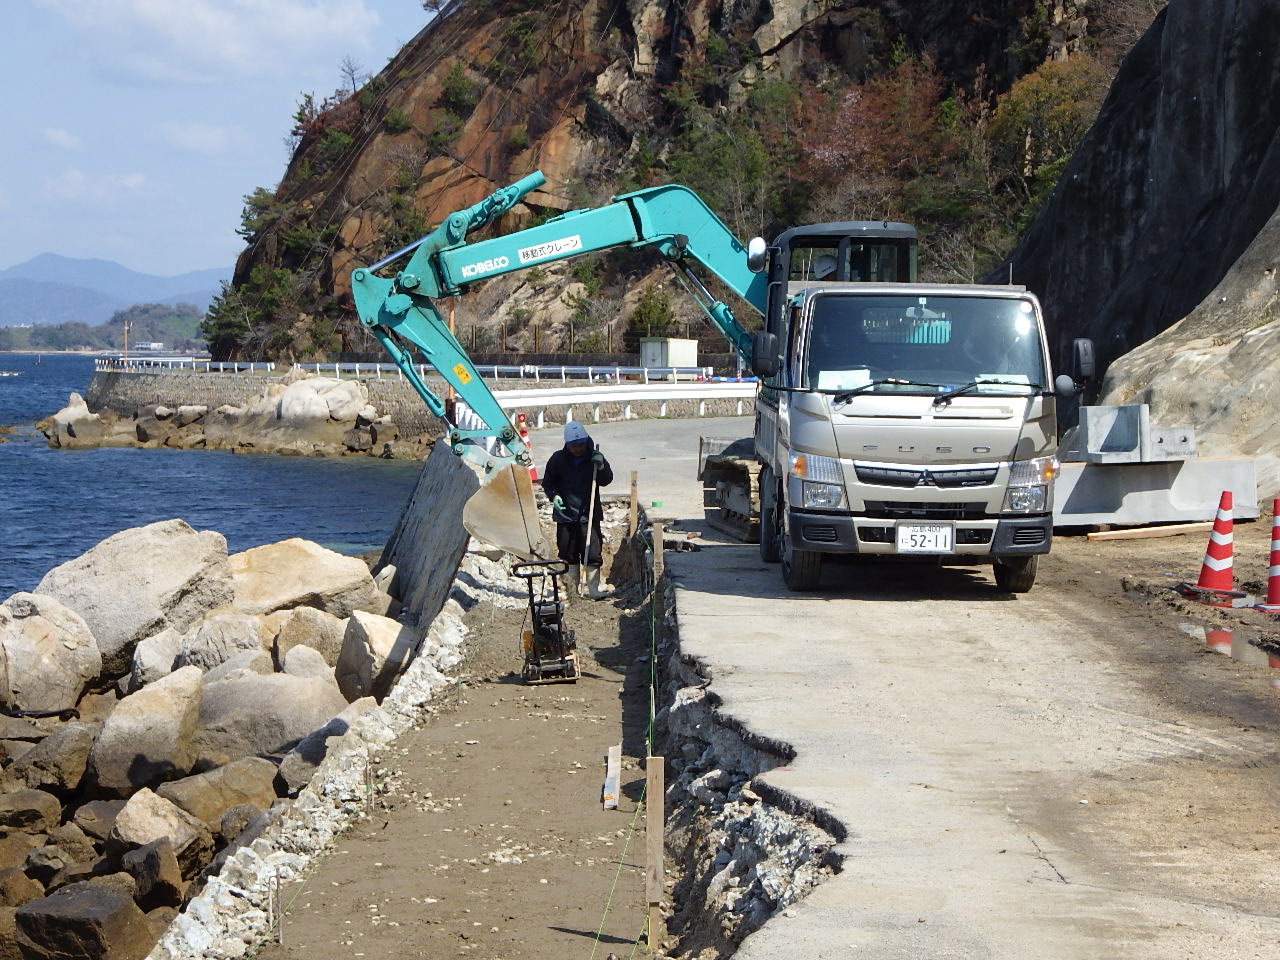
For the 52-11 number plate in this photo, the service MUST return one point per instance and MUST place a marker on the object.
(925, 537)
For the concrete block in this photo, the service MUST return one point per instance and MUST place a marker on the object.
(1170, 491)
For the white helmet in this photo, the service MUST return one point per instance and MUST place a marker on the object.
(574, 432)
(824, 266)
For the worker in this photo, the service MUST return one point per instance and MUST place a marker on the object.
(572, 479)
(824, 268)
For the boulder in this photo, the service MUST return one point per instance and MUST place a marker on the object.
(358, 440)
(344, 399)
(300, 403)
(154, 658)
(217, 638)
(47, 654)
(383, 430)
(83, 920)
(74, 841)
(45, 863)
(16, 728)
(147, 817)
(74, 426)
(299, 573)
(149, 736)
(236, 820)
(244, 662)
(305, 662)
(189, 413)
(154, 431)
(16, 888)
(313, 628)
(97, 817)
(208, 796)
(300, 763)
(58, 762)
(375, 650)
(259, 715)
(139, 581)
(77, 872)
(155, 870)
(14, 847)
(29, 810)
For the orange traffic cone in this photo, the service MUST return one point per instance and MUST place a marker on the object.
(1273, 575)
(522, 425)
(1216, 586)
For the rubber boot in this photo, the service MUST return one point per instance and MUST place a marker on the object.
(572, 582)
(594, 589)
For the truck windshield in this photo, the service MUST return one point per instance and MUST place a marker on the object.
(923, 344)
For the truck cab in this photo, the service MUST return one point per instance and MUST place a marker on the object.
(903, 419)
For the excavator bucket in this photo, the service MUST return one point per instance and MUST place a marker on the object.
(504, 513)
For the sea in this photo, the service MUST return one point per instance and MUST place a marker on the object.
(56, 504)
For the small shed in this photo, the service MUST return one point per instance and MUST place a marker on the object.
(668, 352)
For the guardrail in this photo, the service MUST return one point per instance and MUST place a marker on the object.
(594, 398)
(378, 371)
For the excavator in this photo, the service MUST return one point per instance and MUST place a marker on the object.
(893, 417)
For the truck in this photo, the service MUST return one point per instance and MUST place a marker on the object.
(893, 418)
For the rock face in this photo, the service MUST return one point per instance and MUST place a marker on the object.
(47, 654)
(299, 573)
(139, 581)
(148, 738)
(1172, 185)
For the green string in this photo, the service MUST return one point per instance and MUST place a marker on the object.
(622, 858)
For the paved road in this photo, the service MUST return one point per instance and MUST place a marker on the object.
(1017, 776)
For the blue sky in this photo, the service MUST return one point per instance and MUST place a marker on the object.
(133, 127)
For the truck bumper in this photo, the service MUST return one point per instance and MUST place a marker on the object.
(845, 533)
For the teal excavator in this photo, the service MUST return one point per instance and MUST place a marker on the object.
(400, 309)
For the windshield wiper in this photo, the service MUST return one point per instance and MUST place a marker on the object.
(945, 398)
(844, 396)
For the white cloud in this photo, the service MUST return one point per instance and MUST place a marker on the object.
(204, 138)
(74, 186)
(62, 139)
(207, 41)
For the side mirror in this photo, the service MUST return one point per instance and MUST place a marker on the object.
(1064, 387)
(764, 355)
(1082, 366)
(757, 255)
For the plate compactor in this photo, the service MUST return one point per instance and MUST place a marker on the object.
(550, 649)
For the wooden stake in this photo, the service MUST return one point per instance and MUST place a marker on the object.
(612, 773)
(655, 829)
(1147, 533)
(635, 503)
(659, 533)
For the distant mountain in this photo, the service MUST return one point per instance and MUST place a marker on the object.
(53, 289)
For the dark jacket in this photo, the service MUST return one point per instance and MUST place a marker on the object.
(569, 477)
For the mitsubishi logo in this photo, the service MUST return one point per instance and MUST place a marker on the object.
(926, 479)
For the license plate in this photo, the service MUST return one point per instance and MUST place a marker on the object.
(925, 537)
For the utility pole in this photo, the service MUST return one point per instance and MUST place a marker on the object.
(127, 325)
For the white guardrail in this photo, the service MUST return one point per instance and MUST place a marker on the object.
(594, 398)
(378, 371)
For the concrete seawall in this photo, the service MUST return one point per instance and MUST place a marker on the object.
(126, 392)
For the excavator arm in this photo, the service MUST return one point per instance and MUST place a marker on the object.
(401, 313)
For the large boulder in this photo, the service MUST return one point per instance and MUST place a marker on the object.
(47, 654)
(83, 921)
(154, 868)
(299, 573)
(255, 715)
(74, 425)
(97, 817)
(32, 811)
(154, 658)
(147, 817)
(57, 763)
(300, 764)
(375, 651)
(244, 662)
(305, 662)
(217, 638)
(210, 795)
(309, 627)
(139, 581)
(148, 738)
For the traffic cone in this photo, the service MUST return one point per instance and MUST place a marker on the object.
(1273, 574)
(522, 426)
(1216, 586)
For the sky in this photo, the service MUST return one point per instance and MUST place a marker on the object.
(133, 128)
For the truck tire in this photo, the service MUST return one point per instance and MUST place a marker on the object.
(1016, 574)
(769, 532)
(801, 569)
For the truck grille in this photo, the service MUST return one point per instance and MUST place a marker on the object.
(905, 509)
(1028, 536)
(919, 477)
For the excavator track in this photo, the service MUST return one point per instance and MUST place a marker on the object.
(730, 476)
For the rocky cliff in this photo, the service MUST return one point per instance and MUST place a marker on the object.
(603, 96)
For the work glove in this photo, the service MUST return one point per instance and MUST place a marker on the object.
(597, 458)
(557, 502)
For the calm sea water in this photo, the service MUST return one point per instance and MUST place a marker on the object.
(55, 504)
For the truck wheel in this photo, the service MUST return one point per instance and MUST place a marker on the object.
(769, 532)
(1016, 575)
(801, 569)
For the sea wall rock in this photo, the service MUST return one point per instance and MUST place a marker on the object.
(57, 763)
(139, 581)
(147, 817)
(217, 638)
(83, 920)
(260, 715)
(48, 656)
(149, 737)
(375, 650)
(309, 627)
(299, 573)
(208, 796)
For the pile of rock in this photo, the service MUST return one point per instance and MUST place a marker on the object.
(170, 697)
(303, 416)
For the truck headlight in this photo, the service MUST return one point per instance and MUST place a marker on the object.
(826, 496)
(822, 482)
(1029, 484)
